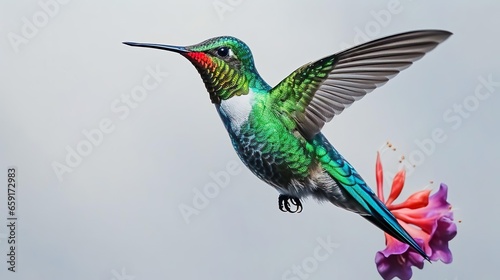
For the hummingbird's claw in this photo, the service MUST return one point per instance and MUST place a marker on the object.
(284, 204)
(281, 203)
(298, 205)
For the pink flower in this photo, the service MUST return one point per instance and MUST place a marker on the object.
(428, 219)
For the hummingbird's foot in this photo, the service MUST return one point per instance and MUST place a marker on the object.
(284, 202)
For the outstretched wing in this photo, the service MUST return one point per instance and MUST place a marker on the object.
(316, 92)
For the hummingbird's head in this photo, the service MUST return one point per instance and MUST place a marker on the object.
(224, 63)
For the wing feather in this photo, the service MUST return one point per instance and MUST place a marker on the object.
(316, 92)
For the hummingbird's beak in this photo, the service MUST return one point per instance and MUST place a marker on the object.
(158, 46)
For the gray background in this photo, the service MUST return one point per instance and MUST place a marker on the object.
(116, 215)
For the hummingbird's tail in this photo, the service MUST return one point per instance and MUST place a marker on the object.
(349, 191)
(372, 209)
(364, 201)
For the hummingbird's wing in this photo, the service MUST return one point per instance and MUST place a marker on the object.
(316, 92)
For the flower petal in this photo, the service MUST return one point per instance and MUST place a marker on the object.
(397, 259)
(380, 178)
(446, 231)
(427, 224)
(438, 202)
(417, 200)
(390, 267)
(394, 246)
(397, 186)
(437, 206)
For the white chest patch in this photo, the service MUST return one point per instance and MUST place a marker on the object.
(237, 109)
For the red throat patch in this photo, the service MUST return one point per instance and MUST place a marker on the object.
(201, 59)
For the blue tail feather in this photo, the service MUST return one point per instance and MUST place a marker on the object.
(374, 210)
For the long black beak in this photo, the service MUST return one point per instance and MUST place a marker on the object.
(158, 46)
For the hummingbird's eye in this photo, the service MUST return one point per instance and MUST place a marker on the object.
(223, 51)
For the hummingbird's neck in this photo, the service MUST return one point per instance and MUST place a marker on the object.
(235, 111)
(257, 84)
(237, 86)
(223, 82)
(235, 108)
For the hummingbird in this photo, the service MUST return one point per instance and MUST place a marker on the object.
(276, 131)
